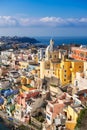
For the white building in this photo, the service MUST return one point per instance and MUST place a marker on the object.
(80, 81)
(41, 53)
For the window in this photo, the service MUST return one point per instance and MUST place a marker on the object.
(79, 66)
(50, 56)
(64, 79)
(65, 113)
(64, 70)
(51, 109)
(70, 118)
(48, 117)
(64, 75)
(43, 53)
(76, 83)
(70, 66)
(55, 56)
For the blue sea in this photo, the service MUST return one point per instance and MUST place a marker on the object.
(63, 40)
(3, 127)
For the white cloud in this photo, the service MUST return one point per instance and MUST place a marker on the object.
(84, 20)
(7, 21)
(50, 19)
(72, 20)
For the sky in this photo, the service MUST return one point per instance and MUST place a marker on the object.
(43, 17)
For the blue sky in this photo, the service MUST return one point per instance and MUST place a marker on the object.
(43, 17)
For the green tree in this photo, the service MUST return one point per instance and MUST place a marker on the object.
(82, 120)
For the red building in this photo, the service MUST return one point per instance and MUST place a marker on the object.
(79, 53)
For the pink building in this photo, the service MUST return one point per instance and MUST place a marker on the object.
(21, 100)
(53, 109)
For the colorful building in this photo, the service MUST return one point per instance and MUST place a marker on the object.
(41, 53)
(79, 53)
(64, 70)
(71, 113)
(57, 64)
(23, 65)
(25, 80)
(53, 109)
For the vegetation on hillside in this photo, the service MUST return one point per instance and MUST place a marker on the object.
(82, 120)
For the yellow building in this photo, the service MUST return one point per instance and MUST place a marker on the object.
(64, 70)
(76, 66)
(72, 113)
(35, 58)
(23, 65)
(85, 68)
(25, 80)
(27, 88)
(57, 65)
(49, 65)
(48, 69)
(68, 69)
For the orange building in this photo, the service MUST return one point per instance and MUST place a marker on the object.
(79, 53)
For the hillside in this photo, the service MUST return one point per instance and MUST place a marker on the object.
(82, 120)
(16, 42)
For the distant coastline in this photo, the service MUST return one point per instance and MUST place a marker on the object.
(41, 42)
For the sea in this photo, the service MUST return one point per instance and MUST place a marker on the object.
(63, 40)
(3, 126)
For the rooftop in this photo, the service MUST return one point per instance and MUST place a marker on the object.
(79, 49)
